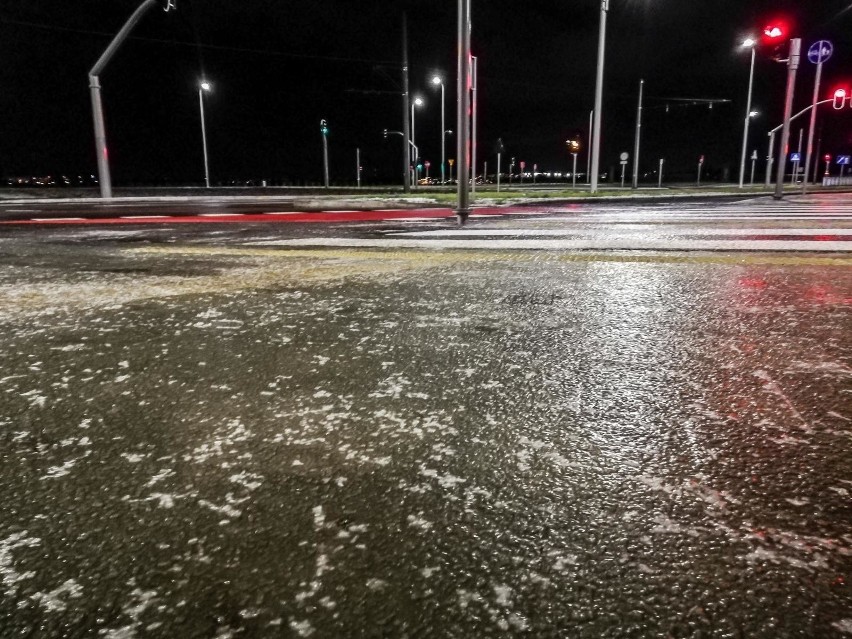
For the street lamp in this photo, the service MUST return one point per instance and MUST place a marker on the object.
(204, 87)
(436, 81)
(418, 101)
(750, 43)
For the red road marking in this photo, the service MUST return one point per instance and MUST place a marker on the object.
(288, 217)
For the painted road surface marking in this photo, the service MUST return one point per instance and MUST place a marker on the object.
(602, 244)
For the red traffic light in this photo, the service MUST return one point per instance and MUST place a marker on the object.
(774, 31)
(827, 158)
(839, 99)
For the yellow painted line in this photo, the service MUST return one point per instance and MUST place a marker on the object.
(516, 256)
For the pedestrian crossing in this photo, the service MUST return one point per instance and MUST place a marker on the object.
(821, 225)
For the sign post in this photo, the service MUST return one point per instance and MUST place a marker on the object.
(818, 53)
(700, 165)
(623, 160)
(324, 131)
(753, 160)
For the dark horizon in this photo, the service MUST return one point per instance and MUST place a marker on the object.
(278, 69)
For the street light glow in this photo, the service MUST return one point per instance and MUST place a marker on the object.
(418, 101)
(749, 42)
(437, 80)
(206, 86)
(753, 114)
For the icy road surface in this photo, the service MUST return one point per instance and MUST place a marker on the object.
(344, 443)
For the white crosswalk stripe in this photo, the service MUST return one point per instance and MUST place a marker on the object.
(821, 225)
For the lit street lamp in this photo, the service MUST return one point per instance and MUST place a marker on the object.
(436, 81)
(418, 101)
(204, 87)
(751, 43)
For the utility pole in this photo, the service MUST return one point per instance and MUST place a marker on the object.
(596, 142)
(638, 136)
(406, 123)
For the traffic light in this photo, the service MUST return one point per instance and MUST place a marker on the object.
(773, 40)
(839, 99)
(324, 127)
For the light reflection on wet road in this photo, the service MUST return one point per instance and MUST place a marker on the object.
(463, 445)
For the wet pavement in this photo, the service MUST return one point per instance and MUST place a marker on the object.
(341, 442)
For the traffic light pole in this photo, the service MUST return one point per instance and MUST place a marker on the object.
(770, 159)
(104, 178)
(792, 68)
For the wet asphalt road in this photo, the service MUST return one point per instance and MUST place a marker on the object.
(407, 443)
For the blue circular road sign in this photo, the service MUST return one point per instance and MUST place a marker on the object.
(820, 51)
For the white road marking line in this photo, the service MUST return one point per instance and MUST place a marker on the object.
(220, 214)
(563, 245)
(144, 217)
(645, 230)
(57, 219)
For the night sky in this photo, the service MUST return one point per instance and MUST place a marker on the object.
(278, 66)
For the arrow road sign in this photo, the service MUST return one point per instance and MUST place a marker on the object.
(795, 157)
(843, 159)
(820, 51)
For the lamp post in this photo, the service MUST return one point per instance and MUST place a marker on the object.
(204, 87)
(749, 42)
(463, 112)
(418, 101)
(436, 81)
(596, 131)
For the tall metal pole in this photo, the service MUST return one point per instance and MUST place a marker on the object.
(204, 137)
(589, 149)
(473, 93)
(810, 147)
(325, 159)
(769, 158)
(638, 137)
(573, 173)
(792, 67)
(406, 130)
(798, 162)
(463, 112)
(358, 165)
(443, 135)
(747, 118)
(596, 131)
(104, 178)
